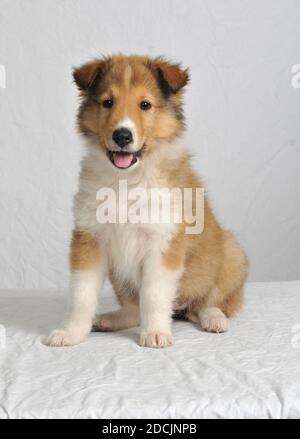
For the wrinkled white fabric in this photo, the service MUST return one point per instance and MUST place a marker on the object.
(252, 371)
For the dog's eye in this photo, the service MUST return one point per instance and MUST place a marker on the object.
(144, 105)
(108, 103)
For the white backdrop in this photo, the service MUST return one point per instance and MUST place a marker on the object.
(243, 119)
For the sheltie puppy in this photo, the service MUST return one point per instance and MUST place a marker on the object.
(132, 120)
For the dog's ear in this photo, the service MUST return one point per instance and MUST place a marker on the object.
(88, 75)
(171, 77)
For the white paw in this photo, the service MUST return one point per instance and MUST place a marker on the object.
(63, 337)
(103, 322)
(156, 339)
(213, 320)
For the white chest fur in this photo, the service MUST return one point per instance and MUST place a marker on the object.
(125, 244)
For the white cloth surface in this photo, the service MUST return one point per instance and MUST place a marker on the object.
(253, 371)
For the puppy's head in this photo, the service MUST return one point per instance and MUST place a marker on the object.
(129, 104)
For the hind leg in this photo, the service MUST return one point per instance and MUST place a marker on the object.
(211, 319)
(215, 318)
(233, 302)
(213, 313)
(125, 317)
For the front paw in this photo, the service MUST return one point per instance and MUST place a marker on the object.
(156, 339)
(63, 337)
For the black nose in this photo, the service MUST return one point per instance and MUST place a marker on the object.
(122, 136)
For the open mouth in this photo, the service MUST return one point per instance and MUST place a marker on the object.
(123, 159)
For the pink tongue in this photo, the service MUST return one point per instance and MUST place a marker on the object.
(122, 160)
